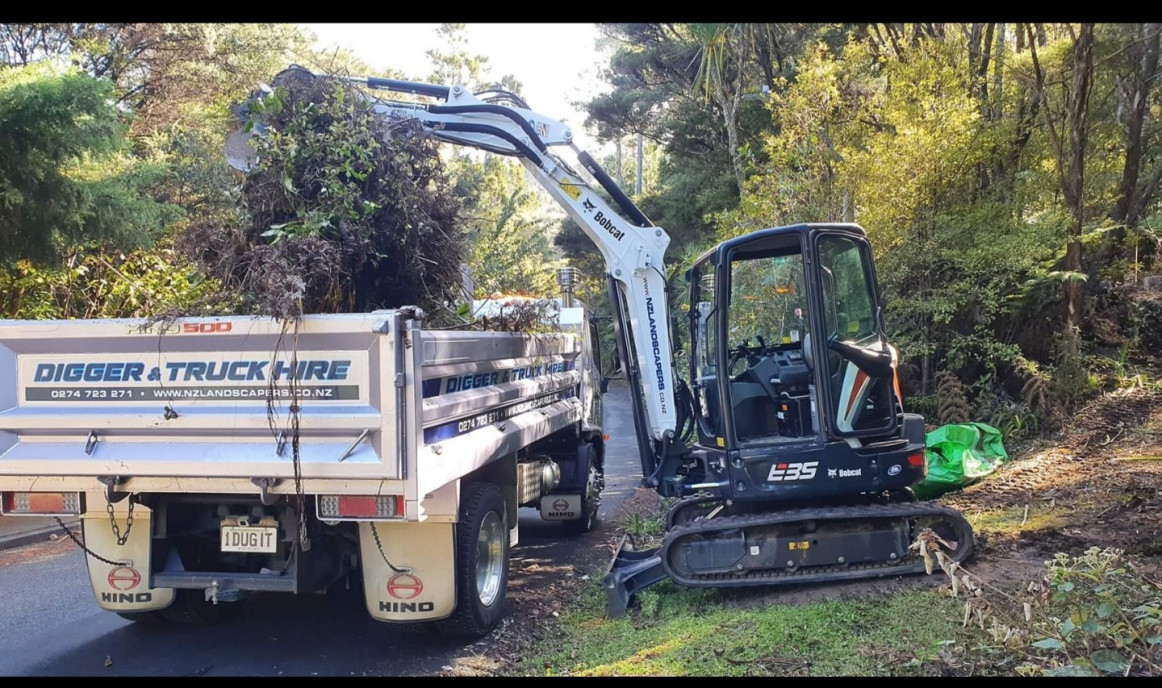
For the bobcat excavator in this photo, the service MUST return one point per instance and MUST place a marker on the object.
(781, 433)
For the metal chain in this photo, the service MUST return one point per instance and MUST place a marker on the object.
(375, 534)
(121, 539)
(80, 544)
(293, 385)
(300, 497)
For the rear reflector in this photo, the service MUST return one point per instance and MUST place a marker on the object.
(359, 507)
(919, 460)
(40, 503)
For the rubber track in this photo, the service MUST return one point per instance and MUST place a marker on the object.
(815, 574)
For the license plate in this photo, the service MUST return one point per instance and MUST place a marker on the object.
(249, 539)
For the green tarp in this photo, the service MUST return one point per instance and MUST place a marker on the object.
(959, 455)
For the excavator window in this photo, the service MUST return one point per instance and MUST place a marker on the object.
(861, 402)
(704, 375)
(767, 323)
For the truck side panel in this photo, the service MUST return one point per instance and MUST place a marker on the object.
(485, 395)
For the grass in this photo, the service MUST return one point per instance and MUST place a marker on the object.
(1014, 520)
(689, 632)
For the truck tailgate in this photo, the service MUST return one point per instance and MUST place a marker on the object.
(200, 397)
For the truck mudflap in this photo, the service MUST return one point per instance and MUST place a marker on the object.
(422, 584)
(122, 586)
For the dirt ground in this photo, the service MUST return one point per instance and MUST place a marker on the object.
(1098, 482)
(1102, 480)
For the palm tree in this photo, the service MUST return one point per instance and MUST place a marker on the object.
(727, 65)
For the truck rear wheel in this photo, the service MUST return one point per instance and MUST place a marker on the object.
(481, 562)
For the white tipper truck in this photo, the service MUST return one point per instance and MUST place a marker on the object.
(198, 480)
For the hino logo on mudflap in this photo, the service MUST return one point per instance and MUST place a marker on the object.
(127, 597)
(561, 509)
(402, 607)
(609, 226)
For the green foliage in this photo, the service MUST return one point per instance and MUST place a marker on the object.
(935, 140)
(66, 173)
(345, 211)
(930, 154)
(96, 282)
(452, 64)
(1092, 614)
(653, 71)
(692, 632)
(509, 239)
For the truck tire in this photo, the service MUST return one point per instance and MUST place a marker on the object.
(190, 608)
(481, 562)
(590, 494)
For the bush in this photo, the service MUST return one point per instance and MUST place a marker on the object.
(344, 211)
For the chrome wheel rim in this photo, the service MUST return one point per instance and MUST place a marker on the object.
(489, 558)
(591, 495)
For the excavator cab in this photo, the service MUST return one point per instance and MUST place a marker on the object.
(789, 359)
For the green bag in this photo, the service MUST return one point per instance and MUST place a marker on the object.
(958, 456)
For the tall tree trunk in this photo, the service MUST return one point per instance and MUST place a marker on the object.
(1145, 194)
(980, 52)
(729, 99)
(769, 52)
(1071, 161)
(998, 73)
(974, 53)
(620, 165)
(1139, 98)
(1075, 174)
(727, 89)
(1028, 109)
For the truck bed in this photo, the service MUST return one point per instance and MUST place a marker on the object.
(204, 405)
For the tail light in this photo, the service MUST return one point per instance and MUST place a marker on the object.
(40, 503)
(359, 507)
(919, 460)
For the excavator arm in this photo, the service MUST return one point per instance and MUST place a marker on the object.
(633, 248)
